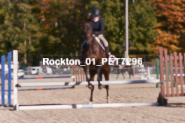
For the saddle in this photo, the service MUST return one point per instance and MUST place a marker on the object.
(102, 46)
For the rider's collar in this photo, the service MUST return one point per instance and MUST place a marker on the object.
(96, 19)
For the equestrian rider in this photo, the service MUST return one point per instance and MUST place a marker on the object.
(98, 28)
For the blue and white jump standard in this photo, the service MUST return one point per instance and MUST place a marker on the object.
(13, 66)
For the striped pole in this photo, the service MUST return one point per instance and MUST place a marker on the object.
(81, 106)
(42, 89)
(9, 77)
(46, 77)
(2, 80)
(33, 84)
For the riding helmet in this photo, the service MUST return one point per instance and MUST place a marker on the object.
(96, 12)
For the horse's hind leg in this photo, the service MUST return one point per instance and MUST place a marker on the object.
(122, 72)
(129, 73)
(118, 72)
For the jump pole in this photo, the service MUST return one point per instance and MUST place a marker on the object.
(33, 84)
(81, 106)
(46, 77)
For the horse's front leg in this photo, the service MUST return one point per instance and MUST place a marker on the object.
(118, 72)
(90, 86)
(107, 86)
(92, 74)
(129, 74)
(122, 72)
(98, 69)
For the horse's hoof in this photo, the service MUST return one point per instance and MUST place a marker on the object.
(100, 86)
(90, 102)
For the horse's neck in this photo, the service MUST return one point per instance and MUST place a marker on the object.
(92, 44)
(93, 47)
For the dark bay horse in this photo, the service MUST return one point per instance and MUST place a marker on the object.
(122, 69)
(91, 50)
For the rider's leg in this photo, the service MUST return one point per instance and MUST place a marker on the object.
(81, 53)
(106, 44)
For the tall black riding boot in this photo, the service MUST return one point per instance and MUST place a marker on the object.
(107, 51)
(82, 57)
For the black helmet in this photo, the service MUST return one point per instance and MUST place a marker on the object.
(96, 12)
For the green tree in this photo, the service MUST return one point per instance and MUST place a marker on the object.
(61, 26)
(142, 24)
(19, 29)
(53, 27)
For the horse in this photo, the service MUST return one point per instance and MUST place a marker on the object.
(92, 49)
(122, 69)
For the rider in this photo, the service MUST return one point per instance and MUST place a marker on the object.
(98, 28)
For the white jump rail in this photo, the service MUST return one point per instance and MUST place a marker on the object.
(179, 74)
(81, 106)
(77, 106)
(33, 84)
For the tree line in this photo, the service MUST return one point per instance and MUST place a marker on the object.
(53, 27)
